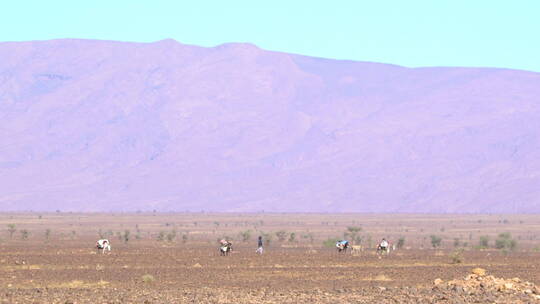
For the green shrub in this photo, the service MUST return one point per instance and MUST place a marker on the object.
(435, 241)
(331, 242)
(292, 237)
(483, 242)
(505, 241)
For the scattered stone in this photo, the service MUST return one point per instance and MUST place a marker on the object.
(479, 271)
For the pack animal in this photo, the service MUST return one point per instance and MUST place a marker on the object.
(342, 246)
(225, 249)
(103, 245)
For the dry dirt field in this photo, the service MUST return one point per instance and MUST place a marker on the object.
(173, 258)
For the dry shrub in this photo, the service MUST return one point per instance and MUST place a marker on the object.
(148, 278)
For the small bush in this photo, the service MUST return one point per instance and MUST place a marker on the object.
(353, 233)
(435, 241)
(457, 256)
(483, 242)
(281, 235)
(400, 242)
(171, 236)
(126, 236)
(24, 234)
(11, 229)
(267, 237)
(47, 234)
(331, 242)
(505, 241)
(245, 235)
(148, 278)
(292, 237)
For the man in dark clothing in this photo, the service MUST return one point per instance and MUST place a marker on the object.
(260, 246)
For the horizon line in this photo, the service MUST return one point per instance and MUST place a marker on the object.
(271, 50)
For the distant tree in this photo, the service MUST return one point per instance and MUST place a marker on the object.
(400, 242)
(354, 233)
(24, 234)
(245, 235)
(47, 234)
(267, 238)
(171, 236)
(505, 241)
(483, 243)
(456, 242)
(435, 241)
(11, 229)
(281, 235)
(292, 237)
(126, 236)
(308, 236)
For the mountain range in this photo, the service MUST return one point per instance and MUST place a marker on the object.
(89, 125)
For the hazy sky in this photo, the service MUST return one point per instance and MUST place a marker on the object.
(411, 33)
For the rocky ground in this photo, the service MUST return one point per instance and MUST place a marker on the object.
(173, 275)
(54, 260)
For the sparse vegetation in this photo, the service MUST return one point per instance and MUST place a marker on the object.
(24, 234)
(281, 235)
(11, 229)
(148, 278)
(126, 236)
(457, 256)
(400, 242)
(353, 232)
(330, 243)
(245, 235)
(171, 236)
(435, 241)
(483, 242)
(47, 234)
(180, 271)
(505, 242)
(292, 237)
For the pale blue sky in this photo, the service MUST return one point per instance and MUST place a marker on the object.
(411, 33)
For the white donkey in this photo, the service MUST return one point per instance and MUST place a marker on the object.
(103, 245)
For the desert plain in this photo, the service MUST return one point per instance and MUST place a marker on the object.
(174, 258)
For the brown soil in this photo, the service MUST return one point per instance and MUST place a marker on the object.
(67, 269)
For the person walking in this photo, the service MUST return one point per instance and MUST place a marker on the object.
(260, 246)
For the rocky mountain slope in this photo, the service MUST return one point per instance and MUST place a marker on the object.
(101, 125)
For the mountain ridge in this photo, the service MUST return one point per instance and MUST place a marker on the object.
(123, 126)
